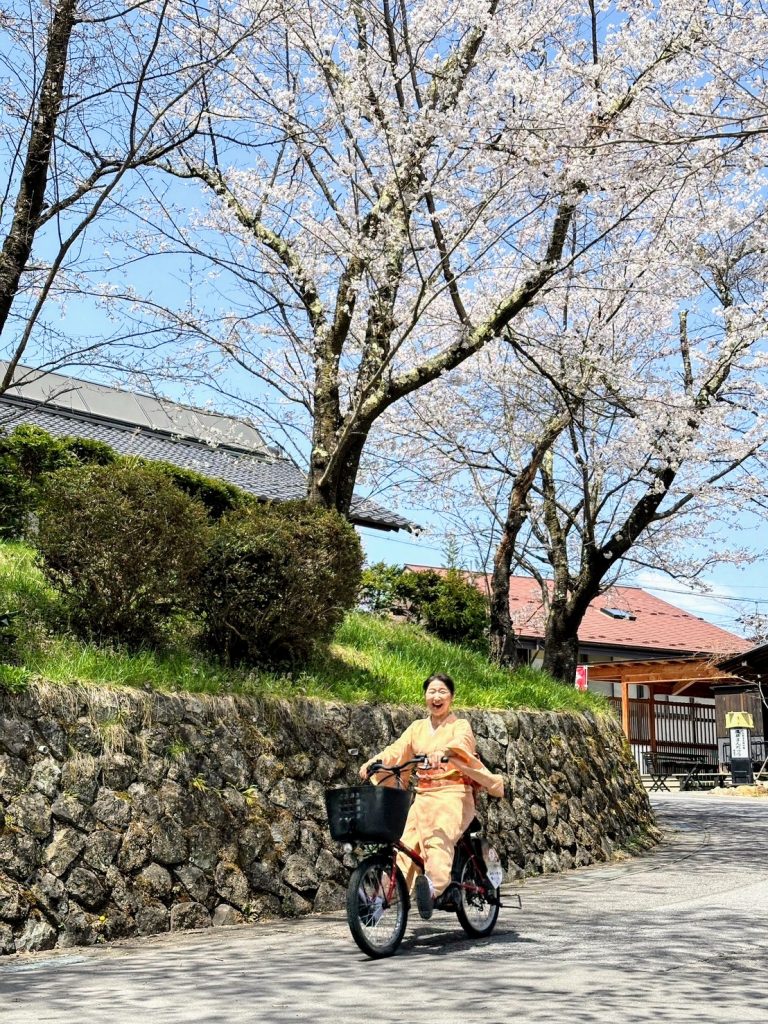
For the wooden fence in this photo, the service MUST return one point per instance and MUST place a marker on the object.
(680, 727)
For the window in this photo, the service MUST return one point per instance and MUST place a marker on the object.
(619, 613)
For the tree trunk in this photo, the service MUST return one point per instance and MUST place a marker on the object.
(17, 246)
(333, 472)
(561, 645)
(502, 639)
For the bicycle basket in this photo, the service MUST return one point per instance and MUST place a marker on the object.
(371, 814)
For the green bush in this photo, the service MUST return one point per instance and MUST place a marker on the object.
(35, 451)
(447, 605)
(378, 586)
(124, 546)
(217, 497)
(27, 455)
(89, 452)
(278, 580)
(15, 498)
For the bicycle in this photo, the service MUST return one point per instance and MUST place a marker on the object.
(377, 897)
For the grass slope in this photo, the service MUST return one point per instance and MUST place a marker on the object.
(371, 659)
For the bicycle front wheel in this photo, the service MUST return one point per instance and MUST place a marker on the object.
(478, 907)
(377, 906)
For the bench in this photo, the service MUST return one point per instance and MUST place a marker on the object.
(689, 769)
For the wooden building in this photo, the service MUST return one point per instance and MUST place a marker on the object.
(682, 711)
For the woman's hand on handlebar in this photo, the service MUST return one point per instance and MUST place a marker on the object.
(436, 758)
(369, 768)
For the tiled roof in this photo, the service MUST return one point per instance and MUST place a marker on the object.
(267, 476)
(649, 623)
(102, 401)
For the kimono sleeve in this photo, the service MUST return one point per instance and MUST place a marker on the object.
(400, 750)
(463, 754)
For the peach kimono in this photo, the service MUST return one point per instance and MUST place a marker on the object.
(444, 804)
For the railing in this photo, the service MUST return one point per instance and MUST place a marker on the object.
(686, 729)
(687, 724)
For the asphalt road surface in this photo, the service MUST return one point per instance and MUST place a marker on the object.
(677, 936)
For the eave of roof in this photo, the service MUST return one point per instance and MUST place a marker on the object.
(751, 663)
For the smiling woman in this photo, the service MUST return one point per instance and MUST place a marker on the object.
(445, 789)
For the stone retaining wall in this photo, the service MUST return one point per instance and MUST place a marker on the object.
(124, 812)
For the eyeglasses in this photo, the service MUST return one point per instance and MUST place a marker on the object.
(438, 693)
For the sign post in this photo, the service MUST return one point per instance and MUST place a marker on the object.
(739, 725)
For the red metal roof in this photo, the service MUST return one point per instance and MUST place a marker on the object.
(656, 625)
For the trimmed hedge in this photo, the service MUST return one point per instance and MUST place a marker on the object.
(217, 497)
(27, 455)
(278, 580)
(124, 546)
(130, 543)
(16, 500)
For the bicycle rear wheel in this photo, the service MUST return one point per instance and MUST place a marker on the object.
(377, 906)
(478, 908)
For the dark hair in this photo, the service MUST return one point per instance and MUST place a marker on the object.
(440, 678)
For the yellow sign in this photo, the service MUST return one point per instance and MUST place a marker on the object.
(739, 720)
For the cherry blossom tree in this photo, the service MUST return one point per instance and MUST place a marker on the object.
(92, 91)
(647, 427)
(393, 184)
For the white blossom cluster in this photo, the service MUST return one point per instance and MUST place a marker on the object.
(423, 232)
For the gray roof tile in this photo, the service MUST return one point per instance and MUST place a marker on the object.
(270, 478)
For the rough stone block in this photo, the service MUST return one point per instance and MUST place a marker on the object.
(232, 885)
(152, 919)
(189, 915)
(225, 916)
(195, 882)
(156, 881)
(168, 842)
(37, 935)
(111, 809)
(101, 848)
(66, 847)
(31, 812)
(87, 888)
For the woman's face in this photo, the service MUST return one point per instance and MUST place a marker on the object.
(438, 698)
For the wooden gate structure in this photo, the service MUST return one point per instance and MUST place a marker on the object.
(686, 727)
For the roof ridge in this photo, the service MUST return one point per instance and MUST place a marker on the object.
(138, 428)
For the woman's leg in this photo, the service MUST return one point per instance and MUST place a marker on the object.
(448, 814)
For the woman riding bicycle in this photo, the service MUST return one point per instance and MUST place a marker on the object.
(444, 804)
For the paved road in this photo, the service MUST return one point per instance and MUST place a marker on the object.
(678, 936)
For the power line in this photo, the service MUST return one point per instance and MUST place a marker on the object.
(662, 590)
(406, 543)
(708, 594)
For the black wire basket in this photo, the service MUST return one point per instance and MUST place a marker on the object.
(368, 814)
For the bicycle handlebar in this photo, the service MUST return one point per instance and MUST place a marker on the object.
(396, 769)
